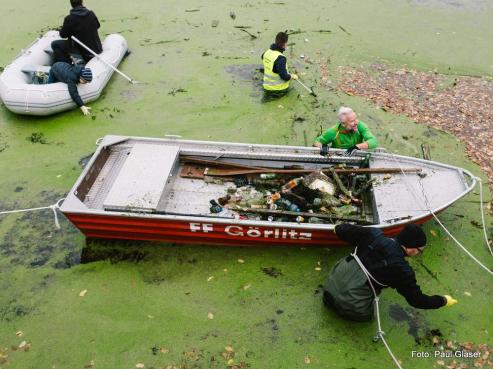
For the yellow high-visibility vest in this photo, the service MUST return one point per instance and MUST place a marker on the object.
(272, 81)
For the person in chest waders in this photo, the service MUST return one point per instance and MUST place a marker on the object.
(347, 289)
(350, 134)
(276, 73)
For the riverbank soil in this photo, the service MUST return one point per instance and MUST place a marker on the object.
(65, 303)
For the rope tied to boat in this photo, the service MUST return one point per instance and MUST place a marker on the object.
(380, 334)
(53, 208)
(424, 201)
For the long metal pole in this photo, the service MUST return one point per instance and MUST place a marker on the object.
(104, 61)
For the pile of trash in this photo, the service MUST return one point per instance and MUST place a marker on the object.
(315, 198)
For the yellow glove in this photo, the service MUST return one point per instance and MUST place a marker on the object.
(294, 76)
(450, 300)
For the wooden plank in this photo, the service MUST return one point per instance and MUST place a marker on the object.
(236, 172)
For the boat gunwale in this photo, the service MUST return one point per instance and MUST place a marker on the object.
(111, 140)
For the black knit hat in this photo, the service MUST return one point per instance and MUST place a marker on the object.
(412, 236)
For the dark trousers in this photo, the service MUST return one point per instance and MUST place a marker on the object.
(62, 49)
(330, 303)
(273, 95)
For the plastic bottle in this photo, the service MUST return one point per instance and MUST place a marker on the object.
(288, 205)
(268, 175)
(291, 184)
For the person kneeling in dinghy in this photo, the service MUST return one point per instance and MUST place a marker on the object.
(347, 290)
(350, 134)
(72, 75)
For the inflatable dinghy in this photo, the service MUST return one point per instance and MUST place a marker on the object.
(20, 95)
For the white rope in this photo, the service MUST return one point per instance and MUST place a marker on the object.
(427, 207)
(53, 207)
(483, 223)
(380, 335)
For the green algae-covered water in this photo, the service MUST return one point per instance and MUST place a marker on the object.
(129, 304)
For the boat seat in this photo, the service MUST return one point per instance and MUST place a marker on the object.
(36, 68)
(142, 178)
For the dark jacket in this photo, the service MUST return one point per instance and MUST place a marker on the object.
(69, 74)
(83, 24)
(280, 63)
(385, 260)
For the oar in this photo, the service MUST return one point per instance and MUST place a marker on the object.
(310, 90)
(132, 81)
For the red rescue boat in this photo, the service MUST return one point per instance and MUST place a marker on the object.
(159, 190)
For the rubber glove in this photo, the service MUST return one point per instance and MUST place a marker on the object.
(85, 110)
(324, 150)
(450, 300)
(349, 151)
(294, 76)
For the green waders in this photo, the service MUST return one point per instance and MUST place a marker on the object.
(346, 291)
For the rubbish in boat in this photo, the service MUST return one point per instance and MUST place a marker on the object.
(315, 220)
(268, 175)
(224, 200)
(288, 205)
(300, 219)
(319, 181)
(291, 184)
(215, 207)
(240, 181)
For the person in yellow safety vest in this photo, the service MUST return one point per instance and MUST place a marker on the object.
(276, 74)
(350, 134)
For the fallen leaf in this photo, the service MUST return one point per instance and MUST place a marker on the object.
(19, 333)
(307, 360)
(318, 269)
(467, 293)
(440, 362)
(163, 350)
(433, 233)
(210, 278)
(82, 293)
(225, 270)
(22, 344)
(247, 286)
(231, 361)
(241, 261)
(210, 316)
(139, 366)
(228, 349)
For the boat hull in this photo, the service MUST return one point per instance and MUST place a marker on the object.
(208, 231)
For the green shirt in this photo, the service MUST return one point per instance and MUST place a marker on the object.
(340, 138)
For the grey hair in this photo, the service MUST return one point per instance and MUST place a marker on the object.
(344, 110)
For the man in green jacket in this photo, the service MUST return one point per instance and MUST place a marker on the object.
(350, 134)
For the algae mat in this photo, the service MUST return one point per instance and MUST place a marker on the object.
(65, 304)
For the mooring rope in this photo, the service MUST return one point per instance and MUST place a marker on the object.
(483, 223)
(53, 207)
(380, 335)
(424, 202)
